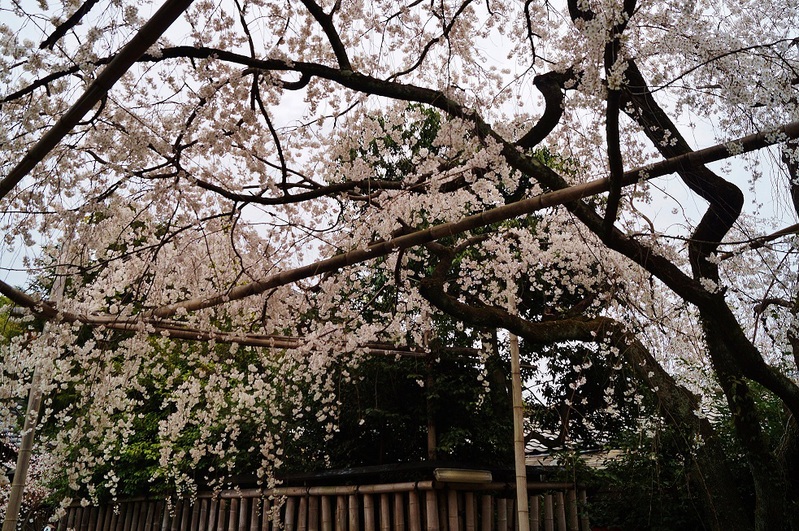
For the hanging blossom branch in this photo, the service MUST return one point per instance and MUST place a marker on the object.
(421, 237)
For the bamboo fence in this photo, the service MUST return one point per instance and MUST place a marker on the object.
(412, 506)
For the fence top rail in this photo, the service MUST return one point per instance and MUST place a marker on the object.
(347, 490)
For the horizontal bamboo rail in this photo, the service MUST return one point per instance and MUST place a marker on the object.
(410, 506)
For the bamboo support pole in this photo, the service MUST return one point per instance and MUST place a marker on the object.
(196, 512)
(114, 519)
(244, 505)
(107, 518)
(258, 510)
(208, 515)
(414, 512)
(385, 512)
(136, 516)
(549, 516)
(399, 511)
(522, 513)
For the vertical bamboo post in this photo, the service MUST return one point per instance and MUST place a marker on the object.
(487, 513)
(571, 509)
(196, 510)
(114, 519)
(561, 510)
(452, 510)
(302, 514)
(549, 517)
(523, 516)
(313, 513)
(502, 514)
(243, 506)
(212, 514)
(354, 520)
(385, 512)
(470, 510)
(535, 513)
(399, 511)
(266, 514)
(431, 511)
(255, 513)
(288, 519)
(147, 524)
(341, 513)
(203, 514)
(327, 516)
(414, 511)
(584, 523)
(232, 521)
(185, 517)
(108, 518)
(276, 517)
(97, 522)
(134, 523)
(368, 512)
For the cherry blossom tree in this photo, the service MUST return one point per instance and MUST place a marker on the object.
(241, 176)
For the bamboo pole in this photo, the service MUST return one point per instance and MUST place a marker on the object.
(502, 514)
(302, 514)
(354, 520)
(470, 520)
(114, 518)
(232, 521)
(288, 518)
(243, 506)
(265, 514)
(452, 510)
(561, 510)
(399, 511)
(522, 513)
(414, 512)
(255, 515)
(327, 516)
(431, 510)
(549, 518)
(313, 513)
(368, 512)
(584, 523)
(341, 513)
(571, 510)
(535, 513)
(487, 513)
(385, 512)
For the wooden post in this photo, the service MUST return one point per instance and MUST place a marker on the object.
(147, 524)
(114, 518)
(288, 519)
(243, 506)
(266, 514)
(208, 515)
(302, 514)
